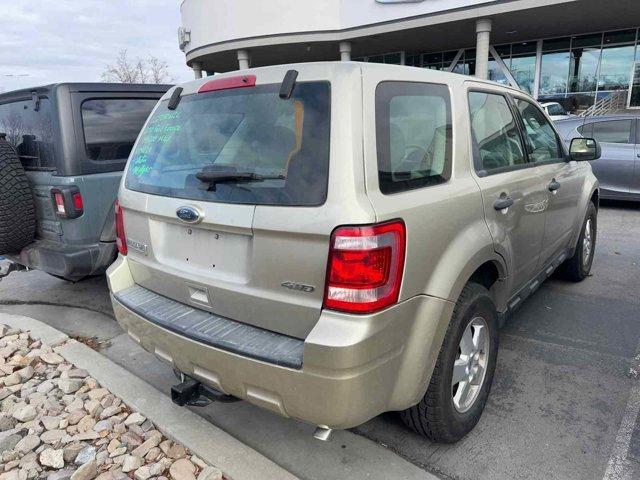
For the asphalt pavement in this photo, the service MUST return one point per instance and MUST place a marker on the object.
(564, 403)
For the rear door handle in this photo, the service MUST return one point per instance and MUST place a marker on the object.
(503, 203)
(554, 185)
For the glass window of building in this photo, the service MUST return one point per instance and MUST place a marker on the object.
(620, 36)
(591, 40)
(432, 61)
(495, 73)
(467, 63)
(584, 69)
(393, 58)
(554, 72)
(523, 65)
(413, 61)
(615, 70)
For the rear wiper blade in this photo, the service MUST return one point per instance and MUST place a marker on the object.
(209, 179)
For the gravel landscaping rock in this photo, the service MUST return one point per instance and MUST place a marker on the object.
(57, 423)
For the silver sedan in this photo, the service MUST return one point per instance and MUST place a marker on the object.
(618, 170)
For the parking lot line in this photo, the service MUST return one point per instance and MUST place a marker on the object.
(618, 467)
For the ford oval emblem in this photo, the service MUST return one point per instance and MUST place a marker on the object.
(188, 215)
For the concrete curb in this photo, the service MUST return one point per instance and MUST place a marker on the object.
(213, 445)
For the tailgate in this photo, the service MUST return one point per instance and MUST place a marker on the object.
(269, 277)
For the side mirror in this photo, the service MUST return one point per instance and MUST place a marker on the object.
(584, 149)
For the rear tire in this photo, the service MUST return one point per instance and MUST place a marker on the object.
(578, 267)
(17, 208)
(445, 414)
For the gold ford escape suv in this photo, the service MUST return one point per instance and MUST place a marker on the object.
(334, 240)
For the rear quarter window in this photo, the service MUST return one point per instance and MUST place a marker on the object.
(413, 135)
(111, 126)
(29, 129)
(613, 131)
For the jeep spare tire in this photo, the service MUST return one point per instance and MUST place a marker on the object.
(17, 208)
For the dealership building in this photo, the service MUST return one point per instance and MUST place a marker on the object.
(583, 53)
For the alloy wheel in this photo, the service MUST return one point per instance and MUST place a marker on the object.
(470, 366)
(587, 243)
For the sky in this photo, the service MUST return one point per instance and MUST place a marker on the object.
(49, 41)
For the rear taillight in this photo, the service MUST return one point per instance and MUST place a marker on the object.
(58, 199)
(121, 238)
(67, 202)
(365, 267)
(78, 204)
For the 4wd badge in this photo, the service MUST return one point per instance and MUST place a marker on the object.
(298, 287)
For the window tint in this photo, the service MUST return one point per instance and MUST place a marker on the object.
(244, 131)
(542, 140)
(29, 131)
(615, 131)
(413, 126)
(496, 139)
(112, 125)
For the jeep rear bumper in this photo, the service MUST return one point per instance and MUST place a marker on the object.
(351, 369)
(69, 262)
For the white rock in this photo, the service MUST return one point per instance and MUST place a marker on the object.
(26, 373)
(51, 358)
(85, 455)
(69, 385)
(50, 423)
(53, 436)
(45, 387)
(109, 412)
(131, 463)
(183, 469)
(88, 471)
(27, 444)
(25, 414)
(160, 467)
(13, 475)
(60, 475)
(52, 458)
(13, 379)
(98, 393)
(143, 473)
(135, 419)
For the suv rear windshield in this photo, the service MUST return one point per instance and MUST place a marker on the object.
(283, 143)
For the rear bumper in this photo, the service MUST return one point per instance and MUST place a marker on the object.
(70, 262)
(353, 367)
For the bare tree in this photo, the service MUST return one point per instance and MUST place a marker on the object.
(140, 70)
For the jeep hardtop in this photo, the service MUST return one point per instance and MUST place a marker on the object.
(62, 151)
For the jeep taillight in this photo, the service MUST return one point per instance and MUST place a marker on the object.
(121, 238)
(67, 202)
(365, 267)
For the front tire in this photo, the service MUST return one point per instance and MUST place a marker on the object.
(463, 373)
(578, 267)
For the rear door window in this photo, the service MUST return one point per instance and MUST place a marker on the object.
(497, 145)
(413, 129)
(613, 131)
(283, 145)
(111, 126)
